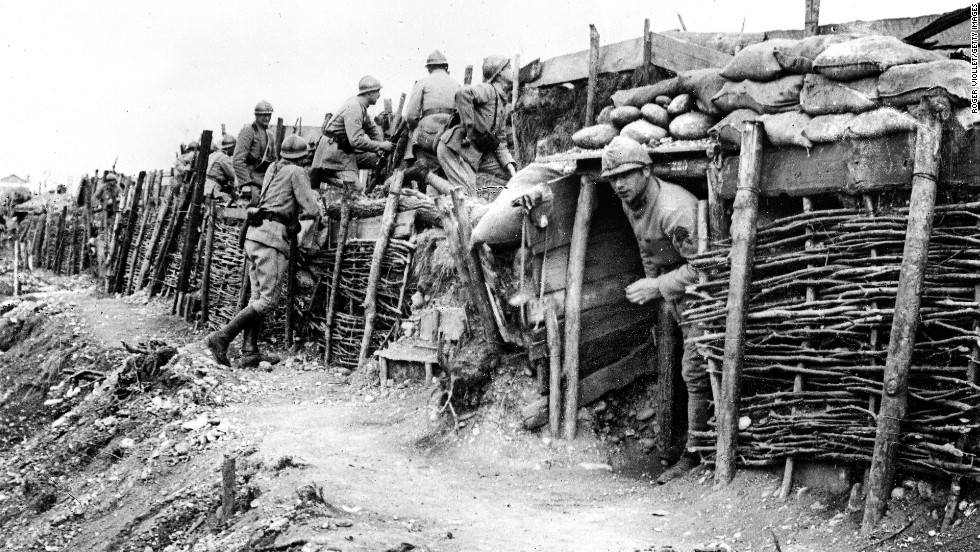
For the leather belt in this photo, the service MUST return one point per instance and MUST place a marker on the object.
(439, 111)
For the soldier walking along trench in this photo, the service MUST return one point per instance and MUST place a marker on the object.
(286, 198)
(254, 153)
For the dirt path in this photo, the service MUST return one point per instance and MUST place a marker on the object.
(110, 320)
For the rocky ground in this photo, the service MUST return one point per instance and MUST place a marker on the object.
(112, 448)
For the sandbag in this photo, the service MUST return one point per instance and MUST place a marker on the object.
(828, 128)
(786, 129)
(967, 118)
(691, 126)
(796, 56)
(603, 117)
(662, 101)
(729, 129)
(907, 84)
(822, 96)
(682, 103)
(755, 62)
(622, 116)
(501, 223)
(646, 94)
(868, 56)
(654, 114)
(762, 97)
(880, 122)
(595, 137)
(703, 84)
(643, 132)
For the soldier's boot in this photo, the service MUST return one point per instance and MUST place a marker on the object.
(218, 342)
(698, 410)
(252, 355)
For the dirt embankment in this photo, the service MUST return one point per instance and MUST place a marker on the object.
(108, 449)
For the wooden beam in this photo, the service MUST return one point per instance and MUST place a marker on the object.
(573, 299)
(669, 382)
(193, 215)
(647, 52)
(894, 394)
(338, 259)
(554, 368)
(812, 18)
(677, 55)
(744, 222)
(590, 91)
(208, 257)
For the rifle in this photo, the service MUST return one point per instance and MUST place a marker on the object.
(389, 161)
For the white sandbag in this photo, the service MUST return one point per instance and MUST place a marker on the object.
(655, 115)
(646, 94)
(703, 84)
(501, 223)
(762, 97)
(729, 129)
(907, 84)
(622, 116)
(796, 56)
(603, 118)
(595, 137)
(880, 122)
(823, 96)
(643, 132)
(756, 62)
(868, 56)
(825, 129)
(691, 126)
(662, 101)
(682, 103)
(786, 129)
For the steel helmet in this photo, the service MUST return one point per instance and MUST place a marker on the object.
(263, 108)
(493, 66)
(194, 145)
(294, 147)
(110, 176)
(623, 154)
(368, 84)
(436, 58)
(228, 141)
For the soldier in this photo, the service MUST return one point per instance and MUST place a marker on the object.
(185, 161)
(107, 196)
(664, 219)
(220, 181)
(254, 152)
(477, 143)
(351, 140)
(285, 198)
(430, 108)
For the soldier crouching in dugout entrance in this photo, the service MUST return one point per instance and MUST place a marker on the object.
(664, 219)
(285, 198)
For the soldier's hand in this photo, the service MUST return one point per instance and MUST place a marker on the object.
(643, 291)
(387, 147)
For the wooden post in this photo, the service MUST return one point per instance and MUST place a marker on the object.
(146, 201)
(468, 75)
(573, 299)
(894, 395)
(126, 240)
(593, 82)
(384, 235)
(280, 135)
(743, 250)
(227, 488)
(194, 216)
(291, 290)
(704, 241)
(399, 113)
(669, 382)
(717, 220)
(208, 256)
(338, 258)
(163, 215)
(812, 18)
(513, 105)
(554, 364)
(16, 261)
(474, 268)
(59, 240)
(172, 236)
(647, 51)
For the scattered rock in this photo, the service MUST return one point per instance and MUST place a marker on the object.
(817, 506)
(744, 422)
(898, 493)
(645, 414)
(595, 466)
(925, 489)
(196, 423)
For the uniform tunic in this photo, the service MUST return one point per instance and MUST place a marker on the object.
(364, 136)
(664, 222)
(252, 150)
(431, 105)
(286, 192)
(481, 109)
(220, 175)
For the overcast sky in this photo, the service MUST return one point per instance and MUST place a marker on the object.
(85, 82)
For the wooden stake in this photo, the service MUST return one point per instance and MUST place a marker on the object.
(468, 75)
(647, 51)
(126, 239)
(59, 240)
(474, 268)
(208, 257)
(130, 284)
(227, 488)
(573, 300)
(188, 254)
(554, 368)
(291, 289)
(16, 267)
(171, 237)
(716, 205)
(669, 381)
(894, 395)
(151, 249)
(593, 82)
(384, 235)
(280, 136)
(338, 258)
(812, 18)
(398, 114)
(704, 241)
(513, 105)
(743, 249)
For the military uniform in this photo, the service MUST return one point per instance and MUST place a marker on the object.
(351, 142)
(220, 176)
(253, 155)
(429, 110)
(479, 143)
